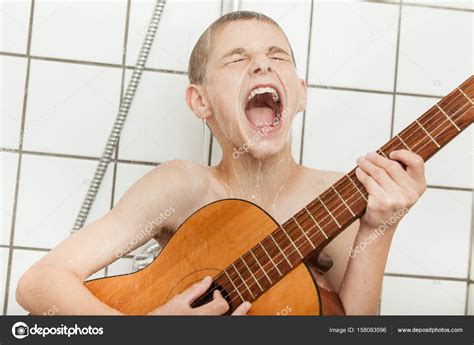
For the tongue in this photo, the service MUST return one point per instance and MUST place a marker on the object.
(260, 116)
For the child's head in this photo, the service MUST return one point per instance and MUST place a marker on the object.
(243, 82)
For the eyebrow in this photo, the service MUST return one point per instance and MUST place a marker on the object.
(242, 51)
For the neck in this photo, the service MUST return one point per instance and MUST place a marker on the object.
(260, 180)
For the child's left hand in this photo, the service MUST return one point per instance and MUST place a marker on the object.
(390, 187)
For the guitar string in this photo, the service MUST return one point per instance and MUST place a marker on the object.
(282, 252)
(311, 235)
(301, 237)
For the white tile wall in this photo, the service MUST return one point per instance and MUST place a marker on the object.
(353, 44)
(181, 25)
(459, 171)
(77, 30)
(71, 108)
(50, 194)
(82, 102)
(159, 120)
(433, 238)
(342, 125)
(470, 310)
(12, 90)
(15, 16)
(410, 296)
(462, 4)
(3, 274)
(434, 48)
(8, 169)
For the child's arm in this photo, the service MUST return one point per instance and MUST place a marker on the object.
(56, 281)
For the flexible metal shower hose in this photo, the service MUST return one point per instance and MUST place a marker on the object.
(121, 117)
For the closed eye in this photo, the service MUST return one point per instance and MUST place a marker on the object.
(237, 60)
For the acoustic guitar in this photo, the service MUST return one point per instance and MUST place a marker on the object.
(253, 258)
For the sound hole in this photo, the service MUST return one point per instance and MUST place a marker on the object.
(207, 296)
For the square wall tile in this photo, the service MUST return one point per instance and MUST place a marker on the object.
(433, 238)
(453, 165)
(430, 60)
(15, 18)
(50, 195)
(470, 308)
(8, 170)
(181, 18)
(294, 18)
(71, 108)
(342, 125)
(461, 4)
(59, 30)
(411, 296)
(12, 90)
(160, 126)
(3, 275)
(121, 266)
(353, 44)
(21, 261)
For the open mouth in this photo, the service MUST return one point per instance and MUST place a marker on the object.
(263, 108)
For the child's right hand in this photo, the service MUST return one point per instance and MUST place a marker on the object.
(181, 304)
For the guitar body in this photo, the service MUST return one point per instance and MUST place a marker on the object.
(206, 243)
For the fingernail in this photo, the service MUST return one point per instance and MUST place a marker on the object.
(247, 305)
(360, 159)
(206, 279)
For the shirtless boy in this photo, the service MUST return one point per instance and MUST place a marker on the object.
(242, 54)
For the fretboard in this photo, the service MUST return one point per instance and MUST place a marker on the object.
(314, 226)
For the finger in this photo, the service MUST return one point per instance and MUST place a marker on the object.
(393, 169)
(242, 309)
(369, 184)
(217, 306)
(195, 291)
(379, 175)
(415, 164)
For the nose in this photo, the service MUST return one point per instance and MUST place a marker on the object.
(261, 65)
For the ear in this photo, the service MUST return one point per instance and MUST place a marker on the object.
(303, 96)
(197, 102)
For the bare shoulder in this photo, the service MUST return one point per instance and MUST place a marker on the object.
(175, 184)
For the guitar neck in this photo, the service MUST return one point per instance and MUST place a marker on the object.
(319, 222)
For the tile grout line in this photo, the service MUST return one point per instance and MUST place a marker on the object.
(448, 8)
(122, 87)
(420, 276)
(395, 76)
(308, 56)
(470, 258)
(17, 182)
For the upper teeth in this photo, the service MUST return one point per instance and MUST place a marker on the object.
(260, 90)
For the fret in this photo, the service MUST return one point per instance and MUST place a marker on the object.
(355, 185)
(235, 287)
(332, 216)
(381, 152)
(317, 224)
(243, 280)
(452, 122)
(281, 251)
(273, 262)
(248, 269)
(428, 134)
(293, 243)
(343, 201)
(404, 144)
(470, 100)
(304, 233)
(261, 267)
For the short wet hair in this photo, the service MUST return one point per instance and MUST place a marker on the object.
(200, 54)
